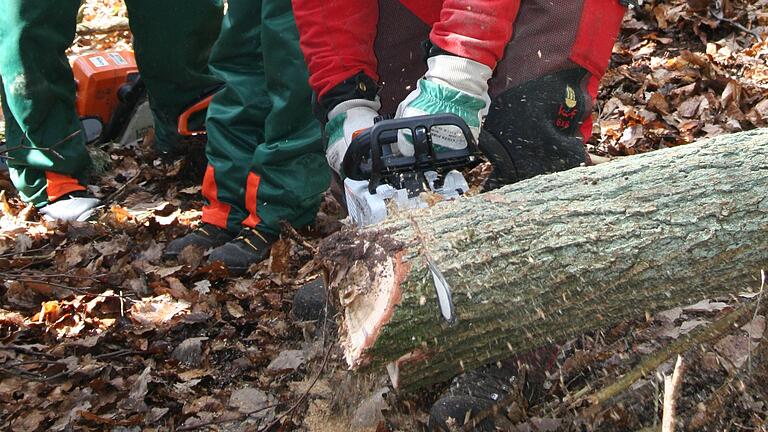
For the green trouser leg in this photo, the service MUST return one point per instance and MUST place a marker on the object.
(39, 94)
(264, 146)
(292, 164)
(236, 116)
(172, 41)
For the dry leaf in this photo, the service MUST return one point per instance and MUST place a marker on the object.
(157, 311)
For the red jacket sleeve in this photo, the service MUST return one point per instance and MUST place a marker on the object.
(337, 38)
(427, 10)
(475, 29)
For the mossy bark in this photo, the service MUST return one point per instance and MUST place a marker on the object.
(552, 257)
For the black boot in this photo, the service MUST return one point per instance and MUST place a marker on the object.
(310, 302)
(488, 392)
(76, 206)
(248, 248)
(205, 237)
(534, 128)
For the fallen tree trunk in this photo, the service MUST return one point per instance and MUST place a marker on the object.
(552, 257)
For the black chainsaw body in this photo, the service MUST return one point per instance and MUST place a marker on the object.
(371, 157)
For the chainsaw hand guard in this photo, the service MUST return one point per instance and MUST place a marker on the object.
(370, 156)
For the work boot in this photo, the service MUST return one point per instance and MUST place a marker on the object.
(75, 206)
(490, 388)
(535, 128)
(205, 237)
(310, 301)
(248, 248)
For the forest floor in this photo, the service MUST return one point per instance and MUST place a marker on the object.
(98, 332)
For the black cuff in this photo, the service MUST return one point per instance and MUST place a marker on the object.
(431, 50)
(359, 86)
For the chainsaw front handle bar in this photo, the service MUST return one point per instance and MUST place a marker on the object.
(368, 146)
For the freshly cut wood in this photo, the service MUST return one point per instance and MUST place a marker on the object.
(552, 257)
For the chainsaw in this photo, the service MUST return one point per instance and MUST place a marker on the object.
(112, 104)
(377, 175)
(112, 100)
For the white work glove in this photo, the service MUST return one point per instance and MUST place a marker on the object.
(454, 85)
(344, 120)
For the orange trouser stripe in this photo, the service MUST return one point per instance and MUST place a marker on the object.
(58, 185)
(251, 191)
(216, 212)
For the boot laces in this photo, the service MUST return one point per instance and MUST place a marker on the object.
(249, 235)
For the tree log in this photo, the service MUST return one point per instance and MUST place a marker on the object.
(549, 258)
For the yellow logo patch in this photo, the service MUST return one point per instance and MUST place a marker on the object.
(570, 97)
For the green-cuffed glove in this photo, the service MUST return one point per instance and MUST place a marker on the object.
(453, 85)
(344, 120)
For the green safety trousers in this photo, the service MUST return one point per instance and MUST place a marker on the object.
(172, 41)
(265, 153)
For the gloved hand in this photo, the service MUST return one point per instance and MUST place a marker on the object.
(454, 85)
(344, 120)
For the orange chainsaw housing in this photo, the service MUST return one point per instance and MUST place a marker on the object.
(98, 77)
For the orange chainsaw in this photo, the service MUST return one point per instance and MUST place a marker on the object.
(112, 100)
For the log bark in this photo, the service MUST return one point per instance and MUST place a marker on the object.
(552, 257)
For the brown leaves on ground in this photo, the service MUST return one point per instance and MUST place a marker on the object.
(684, 70)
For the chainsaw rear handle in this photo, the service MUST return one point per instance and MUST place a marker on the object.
(183, 126)
(368, 144)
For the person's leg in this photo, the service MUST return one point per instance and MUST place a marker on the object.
(47, 157)
(289, 172)
(173, 40)
(291, 163)
(235, 125)
(544, 88)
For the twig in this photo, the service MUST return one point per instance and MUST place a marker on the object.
(698, 336)
(754, 317)
(294, 235)
(304, 396)
(21, 146)
(69, 288)
(21, 373)
(720, 17)
(118, 353)
(12, 254)
(113, 196)
(29, 362)
(672, 386)
(13, 370)
(24, 350)
(19, 273)
(221, 420)
(116, 24)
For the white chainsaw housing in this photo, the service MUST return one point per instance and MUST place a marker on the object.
(367, 209)
(141, 121)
